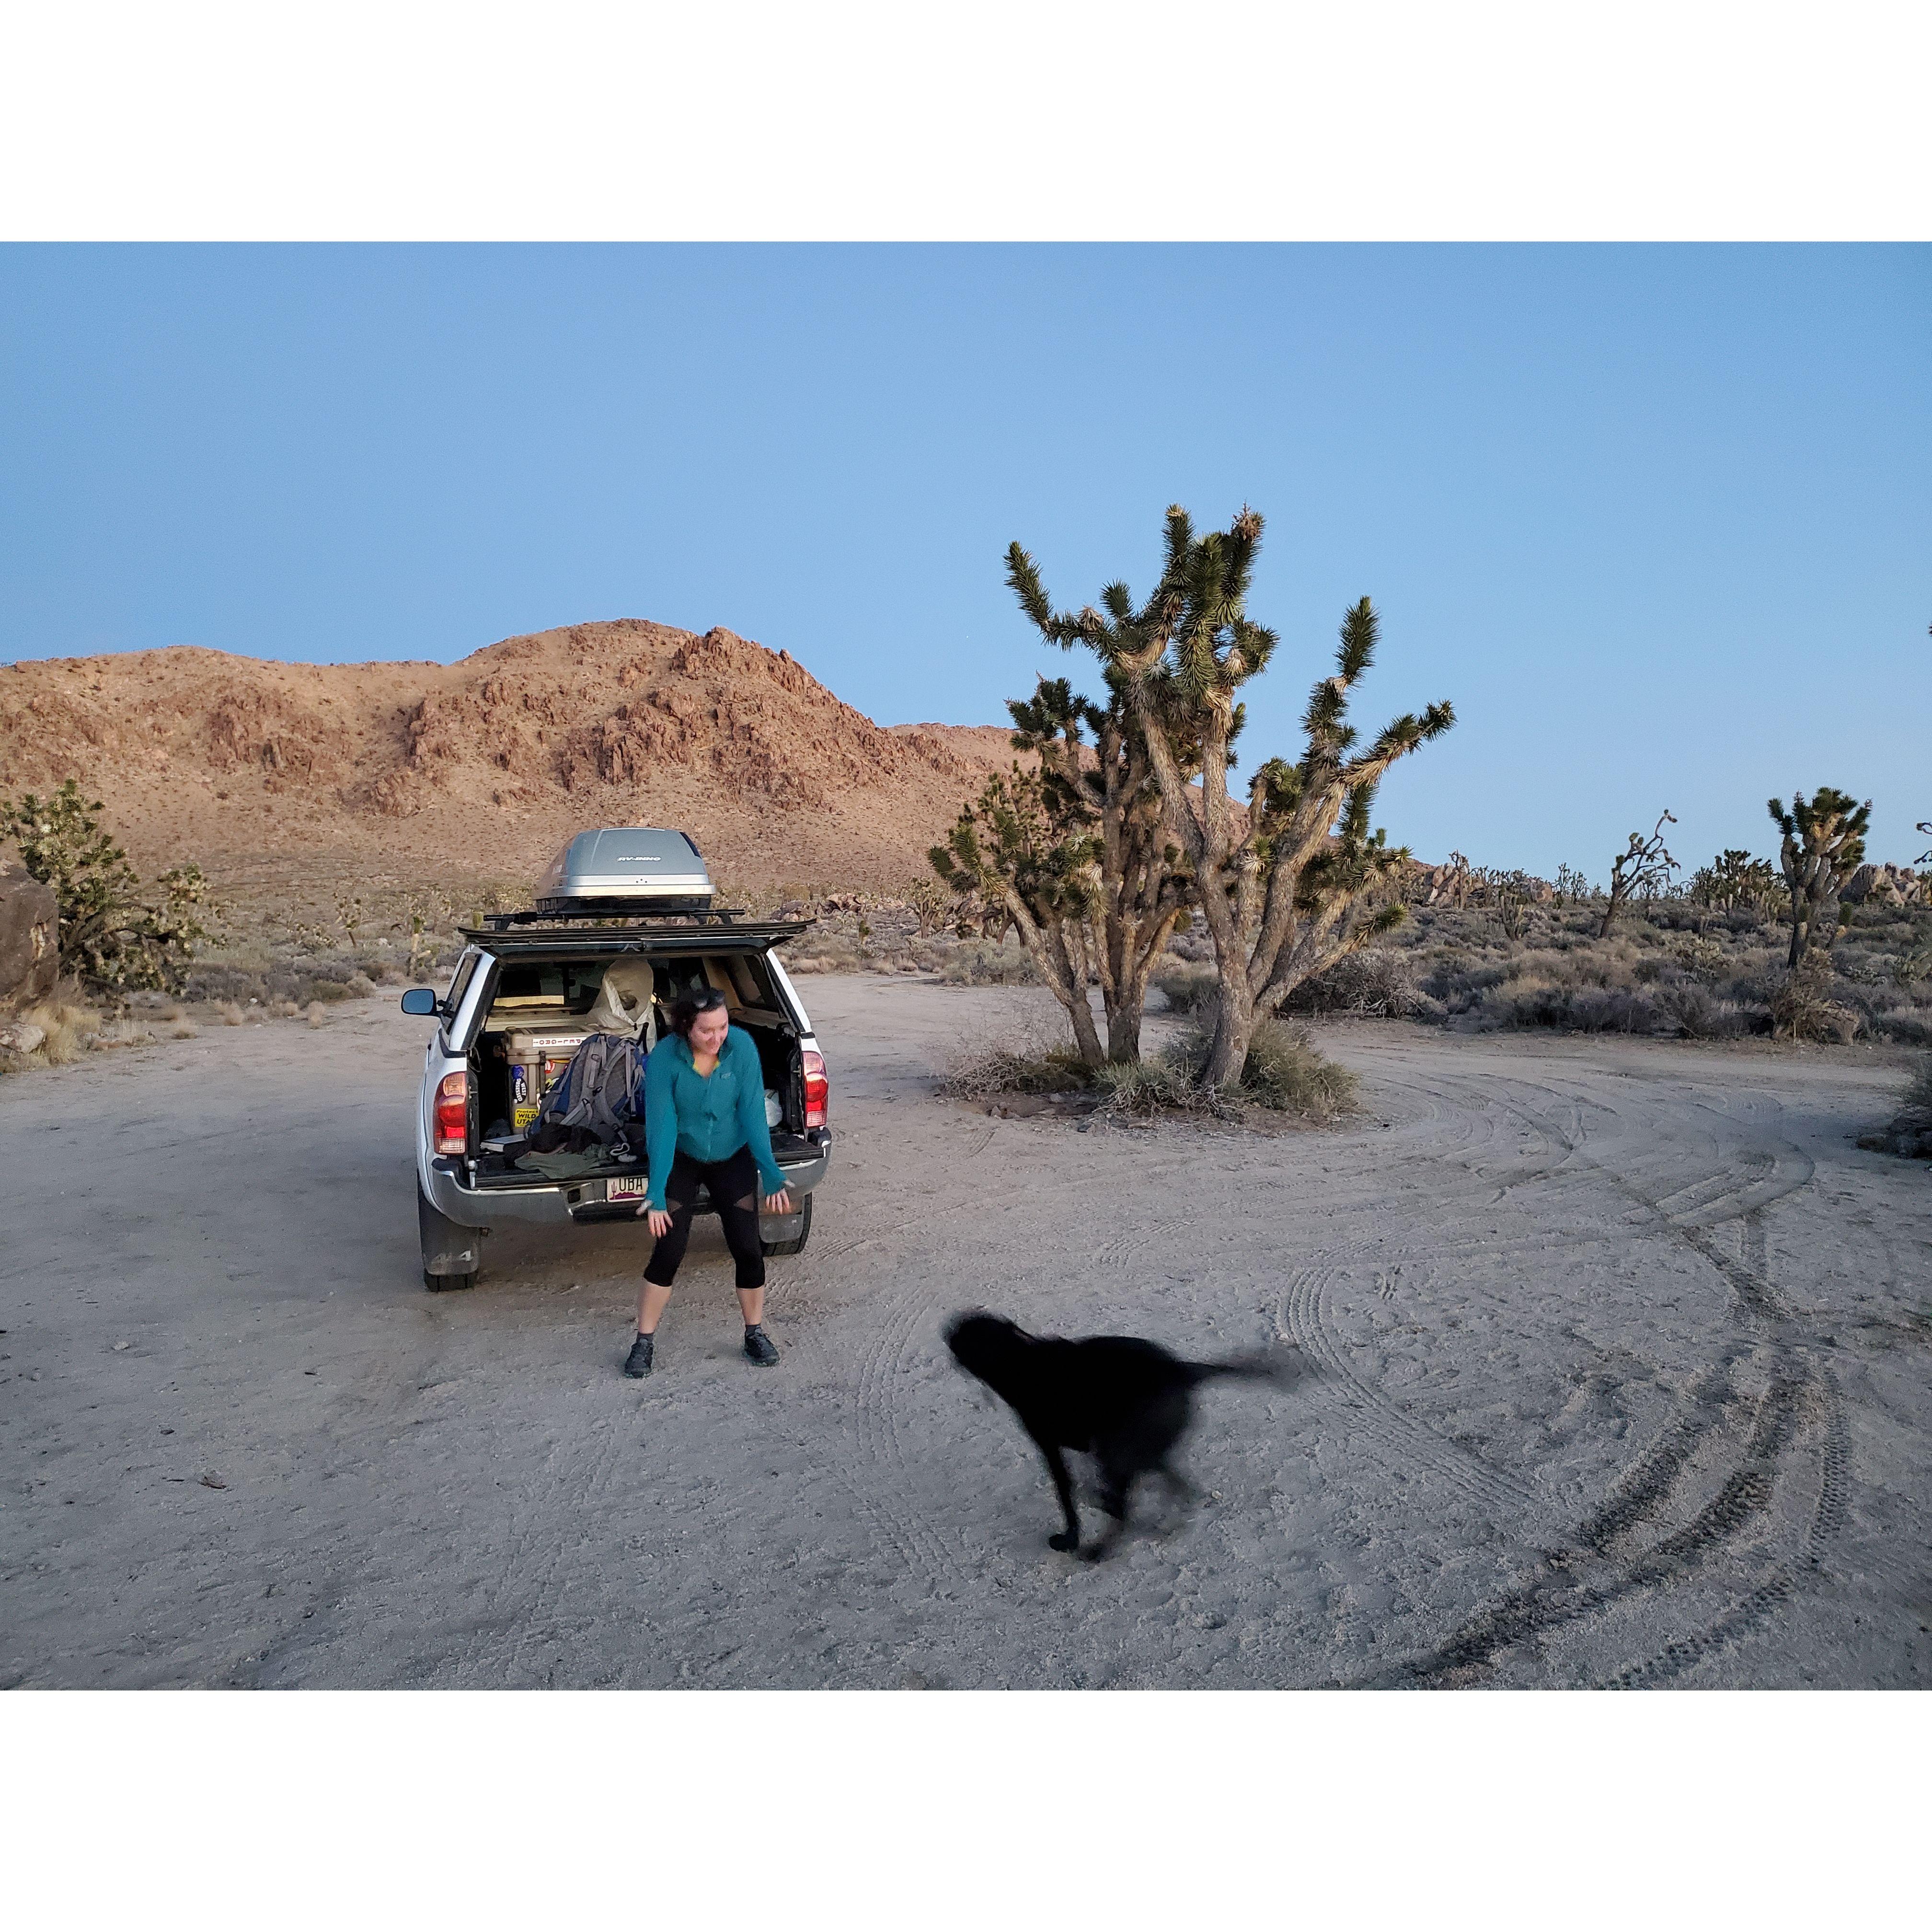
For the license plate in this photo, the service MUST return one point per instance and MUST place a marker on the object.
(626, 1190)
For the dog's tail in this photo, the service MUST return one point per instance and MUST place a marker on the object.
(1283, 1364)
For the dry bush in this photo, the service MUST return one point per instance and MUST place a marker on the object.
(184, 1030)
(1188, 988)
(1028, 1067)
(316, 1016)
(231, 1013)
(1164, 1085)
(1802, 1007)
(1910, 1132)
(58, 1027)
(974, 962)
(1377, 982)
(1282, 1072)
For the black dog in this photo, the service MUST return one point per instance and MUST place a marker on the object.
(1126, 1402)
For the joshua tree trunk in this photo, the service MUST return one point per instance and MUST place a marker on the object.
(1139, 885)
(1022, 855)
(1058, 955)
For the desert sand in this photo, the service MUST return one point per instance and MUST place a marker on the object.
(1623, 1350)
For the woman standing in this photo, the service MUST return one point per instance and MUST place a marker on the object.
(704, 1120)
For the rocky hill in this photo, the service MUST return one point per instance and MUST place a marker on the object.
(479, 769)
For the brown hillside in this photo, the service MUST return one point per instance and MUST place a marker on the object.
(480, 769)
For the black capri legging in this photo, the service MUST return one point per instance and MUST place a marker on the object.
(732, 1184)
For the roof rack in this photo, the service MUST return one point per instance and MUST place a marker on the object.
(575, 913)
(595, 923)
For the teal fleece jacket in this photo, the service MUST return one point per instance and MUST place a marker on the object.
(709, 1118)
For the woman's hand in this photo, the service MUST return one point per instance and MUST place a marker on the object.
(657, 1218)
(779, 1203)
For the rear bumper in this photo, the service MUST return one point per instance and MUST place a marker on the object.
(560, 1203)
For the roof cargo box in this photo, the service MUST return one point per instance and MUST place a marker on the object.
(626, 868)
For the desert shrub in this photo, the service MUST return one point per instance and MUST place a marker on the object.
(1802, 1006)
(1163, 1083)
(1910, 1132)
(1376, 980)
(1700, 1013)
(1282, 1071)
(1026, 1069)
(976, 963)
(1187, 988)
(50, 1033)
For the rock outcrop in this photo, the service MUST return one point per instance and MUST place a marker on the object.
(29, 941)
(483, 766)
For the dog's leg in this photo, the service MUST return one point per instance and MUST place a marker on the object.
(1114, 1484)
(1056, 1464)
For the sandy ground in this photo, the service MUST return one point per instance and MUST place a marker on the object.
(1625, 1348)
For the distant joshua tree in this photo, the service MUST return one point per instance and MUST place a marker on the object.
(1824, 844)
(1641, 871)
(1734, 879)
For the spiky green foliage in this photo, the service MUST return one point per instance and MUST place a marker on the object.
(110, 939)
(1303, 879)
(1734, 880)
(1142, 882)
(1018, 847)
(1823, 843)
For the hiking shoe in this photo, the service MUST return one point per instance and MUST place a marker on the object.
(760, 1347)
(638, 1361)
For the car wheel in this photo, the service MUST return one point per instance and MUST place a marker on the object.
(796, 1247)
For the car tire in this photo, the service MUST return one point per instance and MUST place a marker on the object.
(796, 1247)
(439, 1284)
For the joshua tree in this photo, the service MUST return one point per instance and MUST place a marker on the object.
(1143, 884)
(1642, 868)
(112, 941)
(1733, 879)
(1300, 882)
(1824, 843)
(1571, 886)
(1019, 848)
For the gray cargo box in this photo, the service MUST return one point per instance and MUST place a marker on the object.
(626, 867)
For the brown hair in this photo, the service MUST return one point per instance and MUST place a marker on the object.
(688, 1004)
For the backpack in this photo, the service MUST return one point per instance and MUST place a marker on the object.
(594, 1098)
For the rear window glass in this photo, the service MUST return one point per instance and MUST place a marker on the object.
(465, 969)
(572, 984)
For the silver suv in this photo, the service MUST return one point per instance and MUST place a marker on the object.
(515, 1010)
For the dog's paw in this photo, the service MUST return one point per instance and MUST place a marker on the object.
(1064, 1539)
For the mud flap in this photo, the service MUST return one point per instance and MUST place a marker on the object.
(447, 1248)
(786, 1234)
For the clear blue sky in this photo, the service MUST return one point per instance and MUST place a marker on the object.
(1659, 520)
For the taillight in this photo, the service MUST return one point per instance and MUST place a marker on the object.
(818, 1089)
(452, 1114)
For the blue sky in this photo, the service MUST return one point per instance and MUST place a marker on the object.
(1658, 519)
